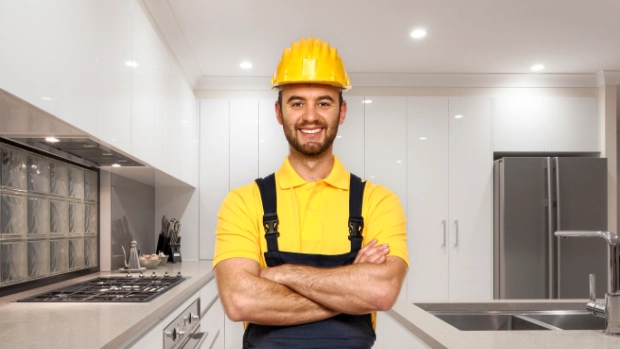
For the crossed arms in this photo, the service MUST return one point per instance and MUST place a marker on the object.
(295, 294)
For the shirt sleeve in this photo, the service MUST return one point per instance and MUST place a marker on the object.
(237, 233)
(385, 220)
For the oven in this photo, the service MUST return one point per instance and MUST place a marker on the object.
(184, 331)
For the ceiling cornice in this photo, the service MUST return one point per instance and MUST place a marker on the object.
(608, 77)
(420, 80)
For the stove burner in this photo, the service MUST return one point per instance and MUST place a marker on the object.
(112, 289)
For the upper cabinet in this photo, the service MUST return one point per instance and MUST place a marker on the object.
(545, 124)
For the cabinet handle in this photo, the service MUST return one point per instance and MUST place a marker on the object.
(443, 243)
(456, 232)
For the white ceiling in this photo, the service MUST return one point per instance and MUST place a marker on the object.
(211, 38)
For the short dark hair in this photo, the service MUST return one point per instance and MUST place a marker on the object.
(339, 99)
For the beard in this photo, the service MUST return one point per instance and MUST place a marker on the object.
(312, 148)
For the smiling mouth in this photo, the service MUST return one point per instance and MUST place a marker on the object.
(312, 131)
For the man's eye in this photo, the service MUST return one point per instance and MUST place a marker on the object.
(324, 104)
(296, 104)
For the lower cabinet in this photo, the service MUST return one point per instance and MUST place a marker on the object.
(392, 335)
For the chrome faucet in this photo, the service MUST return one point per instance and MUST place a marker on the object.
(610, 309)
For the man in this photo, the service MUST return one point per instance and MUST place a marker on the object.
(288, 257)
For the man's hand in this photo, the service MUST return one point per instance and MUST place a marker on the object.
(372, 253)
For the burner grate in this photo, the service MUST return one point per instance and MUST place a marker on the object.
(110, 290)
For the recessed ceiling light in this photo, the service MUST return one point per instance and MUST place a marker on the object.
(131, 64)
(458, 116)
(338, 136)
(116, 165)
(46, 98)
(538, 67)
(113, 139)
(245, 65)
(399, 161)
(52, 139)
(422, 138)
(418, 33)
(367, 101)
(184, 121)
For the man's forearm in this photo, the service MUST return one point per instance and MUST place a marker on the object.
(352, 289)
(258, 300)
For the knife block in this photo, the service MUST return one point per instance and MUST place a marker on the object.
(170, 249)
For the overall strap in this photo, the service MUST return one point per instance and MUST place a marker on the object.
(356, 221)
(267, 187)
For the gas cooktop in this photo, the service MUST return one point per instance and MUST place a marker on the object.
(111, 289)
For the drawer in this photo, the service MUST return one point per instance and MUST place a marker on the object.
(207, 294)
(212, 322)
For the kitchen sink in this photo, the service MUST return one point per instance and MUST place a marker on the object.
(489, 322)
(571, 320)
(521, 321)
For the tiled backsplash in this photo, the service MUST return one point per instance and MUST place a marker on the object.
(48, 219)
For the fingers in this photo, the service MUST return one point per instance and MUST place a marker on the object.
(372, 253)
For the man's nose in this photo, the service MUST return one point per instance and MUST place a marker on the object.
(311, 113)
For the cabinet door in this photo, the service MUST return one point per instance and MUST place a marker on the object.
(571, 124)
(386, 147)
(212, 323)
(214, 169)
(243, 142)
(471, 188)
(349, 143)
(518, 124)
(427, 198)
(393, 335)
(272, 144)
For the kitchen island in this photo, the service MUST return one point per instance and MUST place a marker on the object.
(94, 325)
(435, 333)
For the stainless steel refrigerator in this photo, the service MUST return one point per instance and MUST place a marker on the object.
(533, 198)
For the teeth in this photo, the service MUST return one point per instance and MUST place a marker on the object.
(311, 131)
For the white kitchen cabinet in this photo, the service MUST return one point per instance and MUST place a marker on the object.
(243, 142)
(449, 198)
(392, 335)
(471, 193)
(214, 168)
(571, 124)
(427, 197)
(349, 143)
(272, 144)
(385, 147)
(545, 124)
(518, 124)
(212, 316)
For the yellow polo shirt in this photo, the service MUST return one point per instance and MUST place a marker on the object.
(313, 217)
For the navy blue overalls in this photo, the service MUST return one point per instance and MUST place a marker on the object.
(340, 331)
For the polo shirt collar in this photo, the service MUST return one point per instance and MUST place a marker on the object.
(288, 178)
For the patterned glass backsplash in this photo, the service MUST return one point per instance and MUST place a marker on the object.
(48, 216)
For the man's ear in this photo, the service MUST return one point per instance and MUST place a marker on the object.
(279, 113)
(343, 112)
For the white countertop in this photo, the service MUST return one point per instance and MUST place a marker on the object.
(438, 334)
(92, 325)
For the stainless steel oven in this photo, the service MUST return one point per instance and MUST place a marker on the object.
(184, 331)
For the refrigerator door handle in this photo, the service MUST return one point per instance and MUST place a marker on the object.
(443, 243)
(550, 232)
(456, 232)
(558, 256)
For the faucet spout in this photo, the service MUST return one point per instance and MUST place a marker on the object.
(614, 253)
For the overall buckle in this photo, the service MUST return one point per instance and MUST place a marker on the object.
(356, 225)
(270, 223)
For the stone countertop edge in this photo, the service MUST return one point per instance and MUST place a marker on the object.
(124, 332)
(435, 333)
(136, 331)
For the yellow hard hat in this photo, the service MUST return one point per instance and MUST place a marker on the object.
(311, 61)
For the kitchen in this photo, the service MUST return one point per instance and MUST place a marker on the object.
(136, 77)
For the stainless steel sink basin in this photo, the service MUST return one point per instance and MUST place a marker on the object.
(571, 320)
(521, 321)
(489, 322)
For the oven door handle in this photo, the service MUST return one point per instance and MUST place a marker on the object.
(198, 338)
